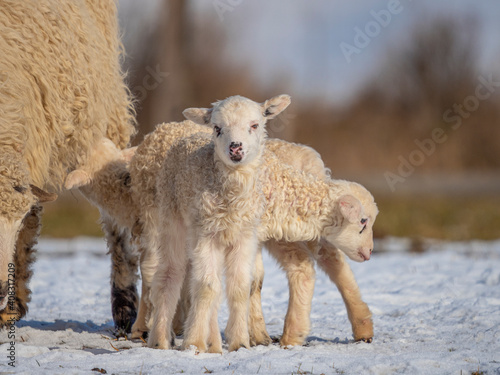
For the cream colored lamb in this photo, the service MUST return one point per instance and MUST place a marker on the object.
(210, 206)
(297, 259)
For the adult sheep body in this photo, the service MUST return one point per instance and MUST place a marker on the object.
(61, 91)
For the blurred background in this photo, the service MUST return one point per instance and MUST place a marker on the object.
(401, 96)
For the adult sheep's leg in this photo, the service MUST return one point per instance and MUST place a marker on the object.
(239, 262)
(256, 322)
(295, 259)
(166, 285)
(332, 261)
(205, 291)
(24, 256)
(124, 263)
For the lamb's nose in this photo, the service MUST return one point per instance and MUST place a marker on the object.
(235, 147)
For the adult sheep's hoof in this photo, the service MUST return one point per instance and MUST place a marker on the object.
(124, 307)
(13, 313)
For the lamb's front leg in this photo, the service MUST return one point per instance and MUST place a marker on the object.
(239, 263)
(167, 284)
(333, 262)
(214, 339)
(256, 322)
(299, 267)
(205, 290)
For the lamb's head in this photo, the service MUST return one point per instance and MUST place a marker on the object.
(103, 156)
(355, 214)
(17, 196)
(239, 125)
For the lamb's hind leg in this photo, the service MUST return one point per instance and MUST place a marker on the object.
(333, 262)
(124, 263)
(148, 261)
(24, 256)
(299, 267)
(256, 322)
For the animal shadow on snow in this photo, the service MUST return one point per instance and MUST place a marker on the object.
(62, 325)
(313, 340)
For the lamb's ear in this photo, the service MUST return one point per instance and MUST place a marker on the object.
(200, 116)
(351, 208)
(274, 106)
(76, 179)
(128, 153)
(42, 195)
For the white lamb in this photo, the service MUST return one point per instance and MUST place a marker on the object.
(310, 217)
(211, 202)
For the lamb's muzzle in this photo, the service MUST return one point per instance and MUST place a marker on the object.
(236, 152)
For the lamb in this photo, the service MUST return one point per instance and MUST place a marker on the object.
(210, 205)
(105, 182)
(61, 90)
(120, 183)
(297, 259)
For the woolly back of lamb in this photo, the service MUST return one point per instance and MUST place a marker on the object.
(61, 85)
(150, 156)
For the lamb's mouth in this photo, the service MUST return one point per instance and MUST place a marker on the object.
(236, 158)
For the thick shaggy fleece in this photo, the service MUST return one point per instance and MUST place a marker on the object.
(61, 85)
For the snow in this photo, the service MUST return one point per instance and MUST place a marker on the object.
(434, 313)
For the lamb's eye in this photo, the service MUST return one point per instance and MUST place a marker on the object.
(363, 222)
(217, 130)
(254, 126)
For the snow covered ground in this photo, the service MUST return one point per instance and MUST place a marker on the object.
(434, 313)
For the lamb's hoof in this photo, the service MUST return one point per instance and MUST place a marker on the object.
(138, 335)
(198, 348)
(262, 339)
(236, 346)
(287, 341)
(368, 340)
(217, 349)
(158, 344)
